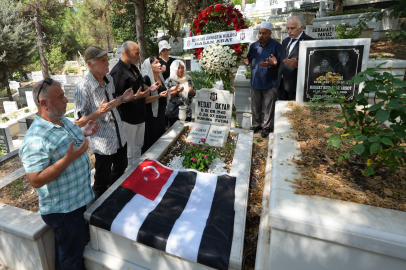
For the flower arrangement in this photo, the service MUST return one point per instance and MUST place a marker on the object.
(199, 156)
(218, 59)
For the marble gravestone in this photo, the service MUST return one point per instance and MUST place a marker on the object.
(37, 76)
(213, 116)
(59, 78)
(10, 106)
(69, 93)
(6, 142)
(14, 85)
(30, 100)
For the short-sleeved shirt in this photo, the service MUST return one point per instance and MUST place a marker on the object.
(262, 77)
(44, 144)
(124, 77)
(89, 94)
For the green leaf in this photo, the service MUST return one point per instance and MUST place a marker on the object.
(394, 104)
(358, 148)
(347, 155)
(375, 106)
(340, 158)
(382, 115)
(361, 138)
(338, 124)
(386, 141)
(400, 134)
(369, 171)
(374, 138)
(359, 96)
(375, 147)
(336, 142)
(329, 128)
(358, 80)
(382, 95)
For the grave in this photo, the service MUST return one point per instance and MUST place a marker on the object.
(10, 106)
(6, 141)
(21, 91)
(59, 78)
(346, 57)
(30, 100)
(176, 45)
(14, 85)
(213, 116)
(328, 31)
(69, 93)
(37, 76)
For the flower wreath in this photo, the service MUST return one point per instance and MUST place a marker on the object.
(219, 18)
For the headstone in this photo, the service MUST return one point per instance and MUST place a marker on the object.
(176, 46)
(21, 94)
(59, 78)
(72, 64)
(326, 31)
(329, 6)
(30, 100)
(217, 136)
(37, 76)
(322, 9)
(346, 57)
(69, 93)
(194, 64)
(290, 5)
(198, 132)
(14, 85)
(6, 142)
(10, 106)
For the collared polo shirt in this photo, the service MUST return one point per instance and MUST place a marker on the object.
(262, 77)
(44, 144)
(89, 94)
(124, 77)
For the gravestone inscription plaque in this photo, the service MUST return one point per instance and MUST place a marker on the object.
(6, 142)
(10, 106)
(30, 100)
(217, 136)
(14, 85)
(324, 58)
(70, 93)
(198, 132)
(37, 76)
(59, 78)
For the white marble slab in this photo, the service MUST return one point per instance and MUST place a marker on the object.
(10, 106)
(14, 85)
(37, 76)
(198, 132)
(217, 135)
(30, 100)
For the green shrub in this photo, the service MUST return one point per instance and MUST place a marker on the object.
(201, 79)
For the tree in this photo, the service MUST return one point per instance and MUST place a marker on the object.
(338, 6)
(16, 41)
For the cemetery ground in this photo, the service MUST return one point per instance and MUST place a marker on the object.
(388, 48)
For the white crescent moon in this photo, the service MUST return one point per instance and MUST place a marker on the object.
(151, 167)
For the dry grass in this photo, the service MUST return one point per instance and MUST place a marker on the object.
(322, 175)
(10, 166)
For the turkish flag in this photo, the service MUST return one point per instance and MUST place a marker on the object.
(148, 179)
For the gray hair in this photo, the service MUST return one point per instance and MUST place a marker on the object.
(44, 91)
(299, 19)
(126, 45)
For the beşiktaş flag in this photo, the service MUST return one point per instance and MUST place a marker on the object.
(182, 212)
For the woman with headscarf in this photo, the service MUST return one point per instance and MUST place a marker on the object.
(155, 104)
(165, 59)
(183, 94)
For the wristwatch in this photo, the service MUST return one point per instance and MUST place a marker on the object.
(122, 100)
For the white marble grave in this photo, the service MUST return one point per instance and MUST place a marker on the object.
(198, 132)
(59, 78)
(14, 85)
(10, 106)
(177, 46)
(217, 136)
(37, 76)
(30, 100)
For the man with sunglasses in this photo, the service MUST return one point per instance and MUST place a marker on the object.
(95, 99)
(55, 159)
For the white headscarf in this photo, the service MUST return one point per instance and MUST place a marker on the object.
(183, 81)
(147, 70)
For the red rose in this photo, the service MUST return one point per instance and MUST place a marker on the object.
(239, 15)
(233, 17)
(195, 21)
(224, 17)
(243, 47)
(217, 8)
(223, 9)
(198, 31)
(205, 20)
(210, 10)
(237, 28)
(230, 7)
(238, 53)
(229, 12)
(245, 27)
(200, 17)
(204, 13)
(242, 22)
(201, 25)
(236, 47)
(198, 56)
(228, 21)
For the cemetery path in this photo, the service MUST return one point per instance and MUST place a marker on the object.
(387, 47)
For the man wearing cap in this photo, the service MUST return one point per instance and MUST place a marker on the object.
(126, 75)
(288, 59)
(263, 79)
(95, 100)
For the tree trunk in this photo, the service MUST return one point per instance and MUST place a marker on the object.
(5, 76)
(139, 24)
(38, 32)
(338, 5)
(242, 5)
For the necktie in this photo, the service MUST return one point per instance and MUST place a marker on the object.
(288, 48)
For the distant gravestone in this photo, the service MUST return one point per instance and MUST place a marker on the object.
(37, 76)
(321, 31)
(10, 106)
(213, 116)
(30, 100)
(69, 93)
(59, 78)
(72, 64)
(346, 57)
(176, 46)
(14, 85)
(6, 142)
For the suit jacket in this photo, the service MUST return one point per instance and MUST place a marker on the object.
(289, 73)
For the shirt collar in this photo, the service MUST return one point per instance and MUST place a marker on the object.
(266, 44)
(94, 82)
(49, 125)
(298, 37)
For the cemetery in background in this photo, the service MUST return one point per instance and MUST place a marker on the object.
(308, 226)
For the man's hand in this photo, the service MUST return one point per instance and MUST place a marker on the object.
(106, 107)
(265, 64)
(74, 153)
(163, 68)
(141, 94)
(154, 87)
(272, 59)
(245, 61)
(291, 62)
(90, 128)
(128, 95)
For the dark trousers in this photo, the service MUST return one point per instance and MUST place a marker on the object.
(285, 95)
(269, 97)
(70, 238)
(108, 169)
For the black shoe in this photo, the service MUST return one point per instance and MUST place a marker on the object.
(265, 132)
(256, 129)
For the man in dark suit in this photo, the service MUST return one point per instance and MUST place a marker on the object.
(288, 59)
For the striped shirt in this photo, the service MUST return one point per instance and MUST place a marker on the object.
(88, 96)
(44, 144)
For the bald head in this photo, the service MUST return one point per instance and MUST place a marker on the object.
(131, 53)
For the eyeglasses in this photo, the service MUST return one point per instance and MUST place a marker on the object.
(47, 81)
(165, 50)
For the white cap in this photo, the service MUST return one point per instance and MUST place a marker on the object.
(266, 25)
(163, 44)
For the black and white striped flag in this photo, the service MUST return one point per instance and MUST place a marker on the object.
(182, 212)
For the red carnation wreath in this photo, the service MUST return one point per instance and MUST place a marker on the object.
(219, 18)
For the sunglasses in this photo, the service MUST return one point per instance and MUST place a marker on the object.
(165, 50)
(47, 81)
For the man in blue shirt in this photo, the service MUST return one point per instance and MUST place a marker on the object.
(263, 79)
(55, 159)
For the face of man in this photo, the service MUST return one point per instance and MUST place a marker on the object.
(99, 66)
(324, 63)
(133, 53)
(293, 28)
(56, 102)
(264, 35)
(343, 57)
